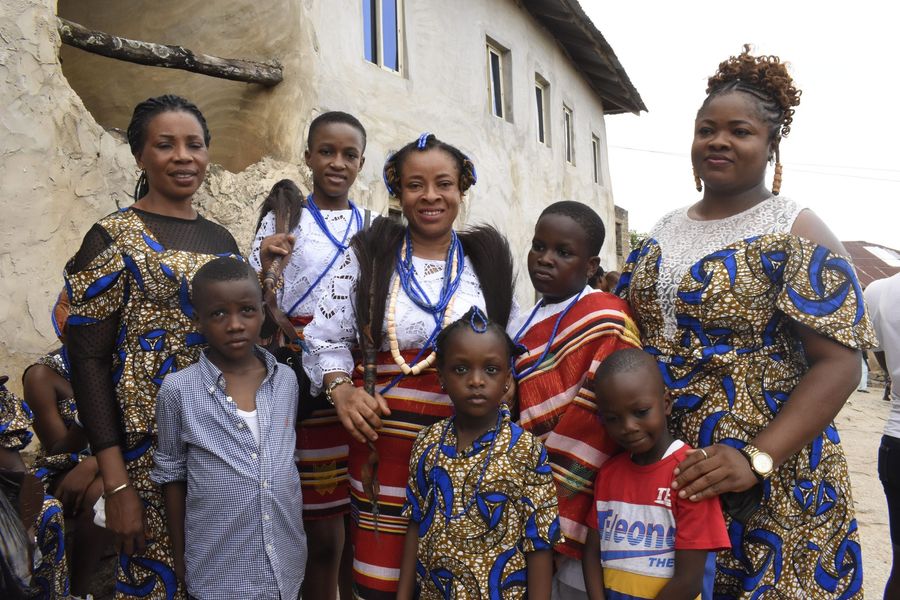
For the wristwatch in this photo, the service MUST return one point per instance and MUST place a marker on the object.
(339, 381)
(761, 463)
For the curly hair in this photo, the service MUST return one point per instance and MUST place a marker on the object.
(393, 166)
(766, 79)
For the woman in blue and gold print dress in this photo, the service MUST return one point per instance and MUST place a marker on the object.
(130, 325)
(756, 320)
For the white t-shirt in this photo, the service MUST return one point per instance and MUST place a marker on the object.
(252, 420)
(883, 301)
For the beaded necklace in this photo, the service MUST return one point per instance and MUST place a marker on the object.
(432, 493)
(340, 246)
(441, 310)
(550, 341)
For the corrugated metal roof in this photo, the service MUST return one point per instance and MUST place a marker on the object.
(870, 267)
(592, 56)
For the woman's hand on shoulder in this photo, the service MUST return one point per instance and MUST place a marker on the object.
(810, 227)
(359, 412)
(712, 471)
(275, 246)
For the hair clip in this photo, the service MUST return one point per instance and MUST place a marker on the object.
(474, 174)
(384, 176)
(478, 321)
(423, 140)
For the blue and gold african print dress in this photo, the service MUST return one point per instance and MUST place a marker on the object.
(716, 303)
(50, 573)
(130, 325)
(479, 510)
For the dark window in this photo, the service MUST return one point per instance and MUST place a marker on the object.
(496, 67)
(381, 32)
(567, 121)
(539, 100)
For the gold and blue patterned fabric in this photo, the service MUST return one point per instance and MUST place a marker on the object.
(51, 572)
(480, 510)
(732, 367)
(148, 286)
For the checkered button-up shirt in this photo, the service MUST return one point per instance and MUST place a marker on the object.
(244, 533)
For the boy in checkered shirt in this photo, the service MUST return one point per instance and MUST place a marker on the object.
(226, 445)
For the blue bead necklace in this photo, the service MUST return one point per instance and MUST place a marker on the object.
(340, 246)
(454, 265)
(432, 493)
(550, 341)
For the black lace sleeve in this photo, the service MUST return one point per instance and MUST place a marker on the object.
(91, 342)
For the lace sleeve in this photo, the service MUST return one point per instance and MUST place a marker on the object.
(331, 334)
(266, 228)
(95, 283)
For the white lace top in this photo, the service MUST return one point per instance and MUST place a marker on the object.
(683, 241)
(312, 253)
(332, 332)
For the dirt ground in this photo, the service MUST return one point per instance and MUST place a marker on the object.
(860, 424)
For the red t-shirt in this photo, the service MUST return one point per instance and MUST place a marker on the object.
(642, 521)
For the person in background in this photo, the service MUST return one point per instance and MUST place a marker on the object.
(883, 300)
(65, 464)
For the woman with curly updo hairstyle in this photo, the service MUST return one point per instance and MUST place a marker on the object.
(380, 315)
(755, 316)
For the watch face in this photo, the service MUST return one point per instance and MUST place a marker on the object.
(762, 463)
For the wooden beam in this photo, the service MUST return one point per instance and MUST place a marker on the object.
(170, 57)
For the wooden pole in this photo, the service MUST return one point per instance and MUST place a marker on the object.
(170, 57)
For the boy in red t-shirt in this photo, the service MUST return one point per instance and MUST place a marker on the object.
(644, 541)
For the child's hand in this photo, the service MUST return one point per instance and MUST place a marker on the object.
(275, 246)
(74, 485)
(712, 471)
(359, 412)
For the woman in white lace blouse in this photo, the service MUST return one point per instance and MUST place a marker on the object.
(384, 306)
(756, 320)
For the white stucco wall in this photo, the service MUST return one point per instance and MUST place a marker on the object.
(443, 89)
(61, 170)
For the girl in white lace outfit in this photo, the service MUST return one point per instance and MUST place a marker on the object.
(756, 320)
(318, 242)
(392, 295)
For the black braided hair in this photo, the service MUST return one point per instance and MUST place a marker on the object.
(586, 218)
(765, 79)
(476, 320)
(393, 166)
(334, 116)
(143, 113)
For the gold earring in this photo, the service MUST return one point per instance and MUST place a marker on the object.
(697, 181)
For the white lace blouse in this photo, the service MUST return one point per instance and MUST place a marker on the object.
(683, 241)
(332, 333)
(312, 253)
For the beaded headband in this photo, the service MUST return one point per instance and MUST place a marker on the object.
(421, 144)
(478, 321)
